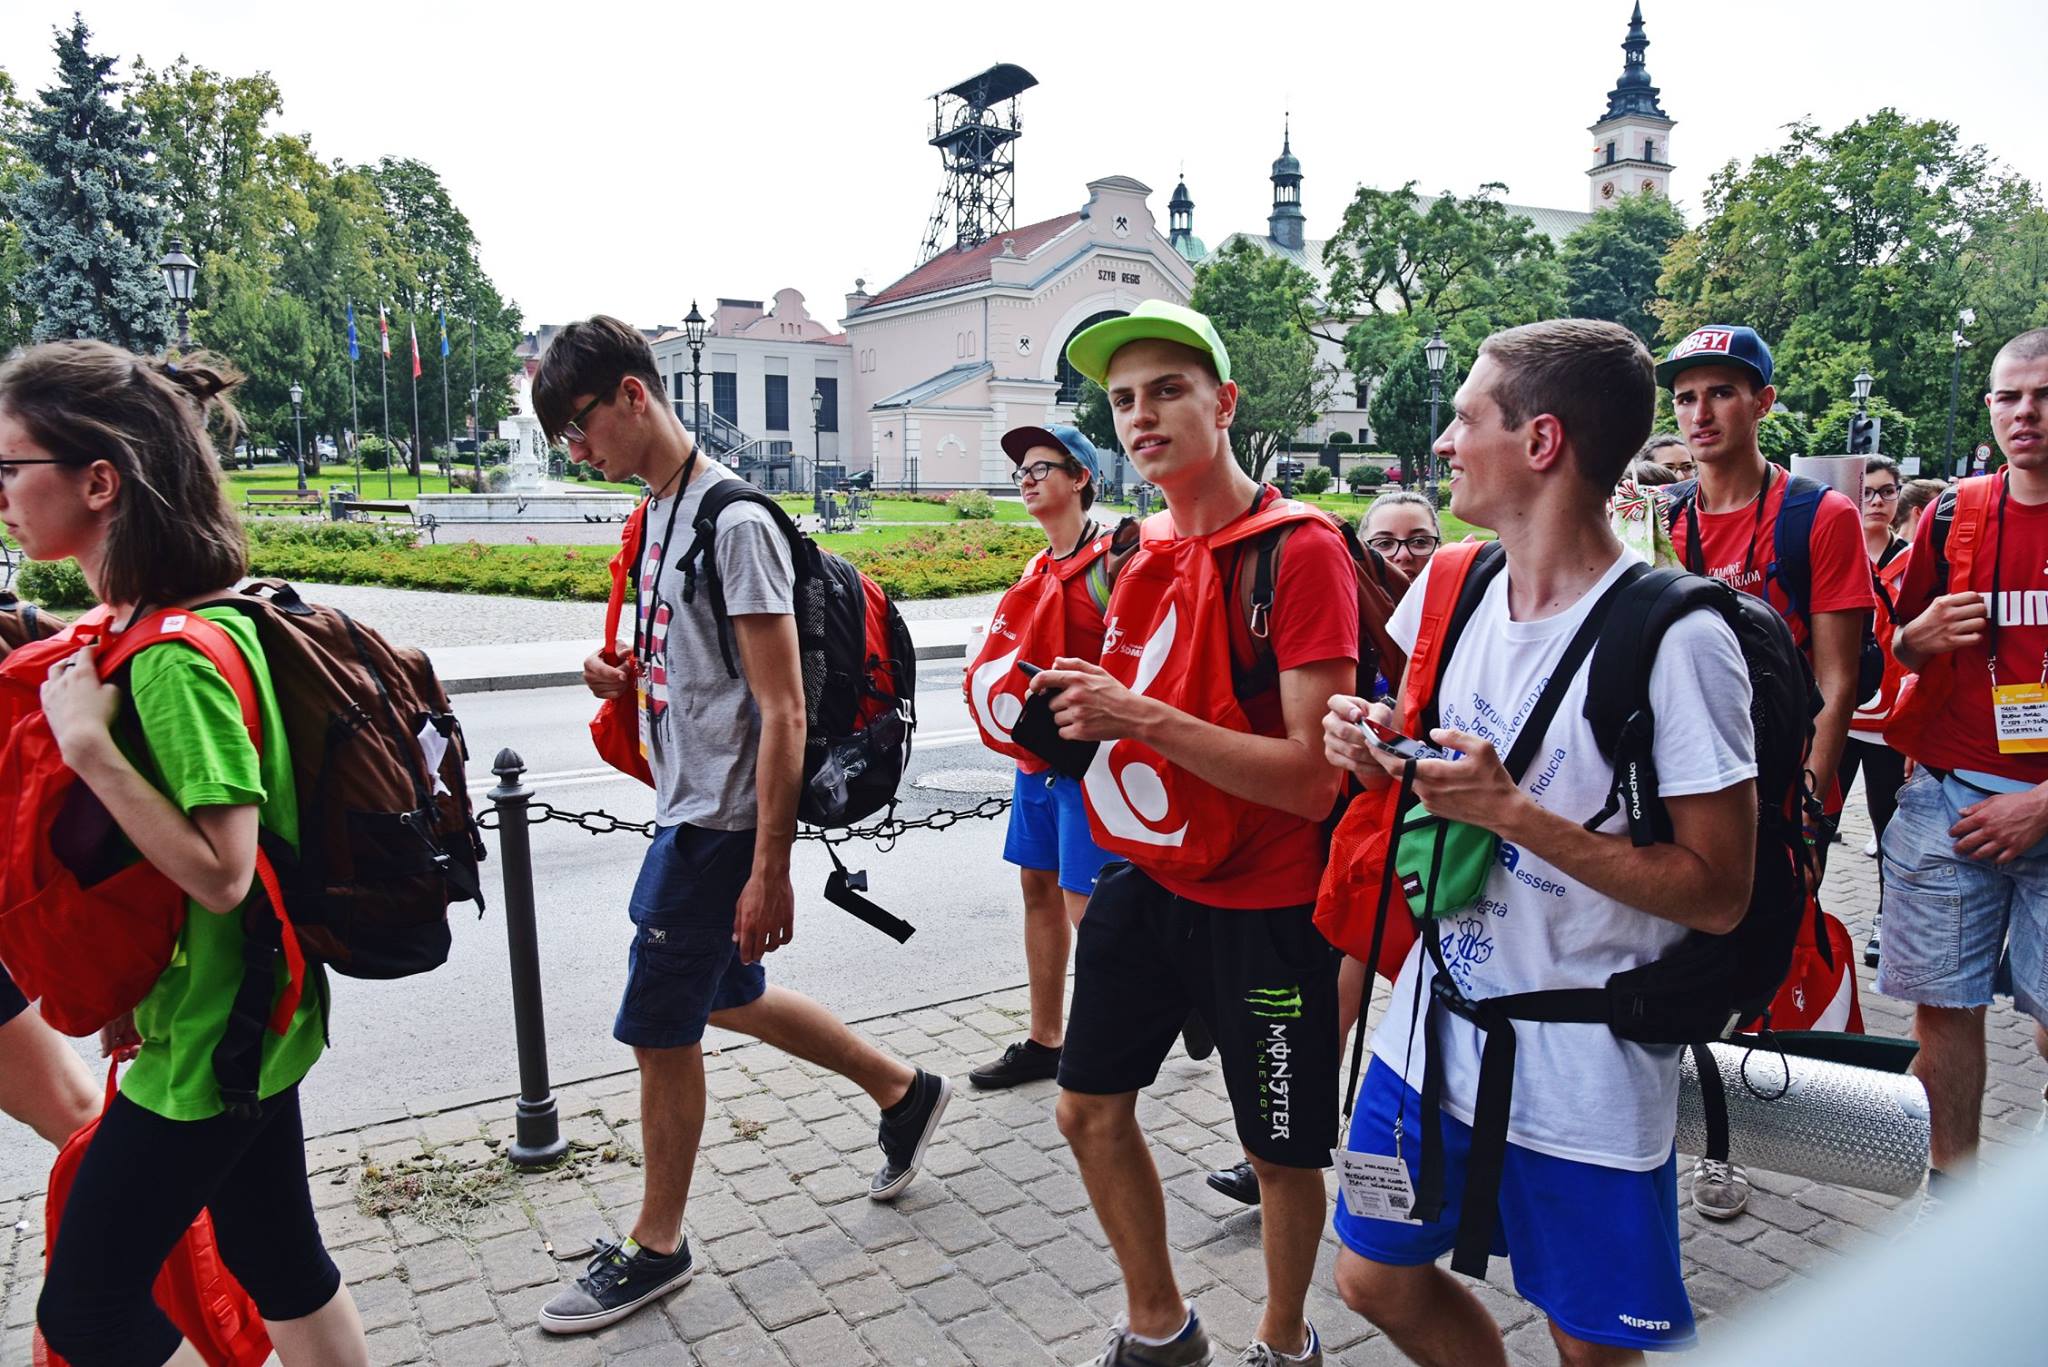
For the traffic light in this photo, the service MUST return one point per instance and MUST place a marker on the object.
(1863, 434)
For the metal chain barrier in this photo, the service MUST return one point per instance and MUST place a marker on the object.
(884, 833)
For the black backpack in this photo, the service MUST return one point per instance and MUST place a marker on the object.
(859, 666)
(1791, 561)
(1708, 985)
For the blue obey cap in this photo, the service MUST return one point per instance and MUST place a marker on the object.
(1018, 442)
(1717, 344)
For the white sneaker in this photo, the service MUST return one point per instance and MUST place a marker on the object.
(1870, 848)
(1720, 1191)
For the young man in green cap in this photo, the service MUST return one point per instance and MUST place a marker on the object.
(1209, 777)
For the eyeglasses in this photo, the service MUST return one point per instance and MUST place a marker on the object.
(1686, 468)
(1883, 493)
(7, 468)
(1422, 543)
(572, 430)
(1038, 470)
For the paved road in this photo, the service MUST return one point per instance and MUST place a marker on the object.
(449, 1033)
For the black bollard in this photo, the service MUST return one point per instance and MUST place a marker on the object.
(539, 1139)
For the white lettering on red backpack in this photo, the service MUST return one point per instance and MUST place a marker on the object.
(1169, 639)
(1030, 625)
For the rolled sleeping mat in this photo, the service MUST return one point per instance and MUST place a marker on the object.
(1812, 1118)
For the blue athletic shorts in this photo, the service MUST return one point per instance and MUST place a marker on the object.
(683, 964)
(1594, 1248)
(1049, 830)
(1959, 930)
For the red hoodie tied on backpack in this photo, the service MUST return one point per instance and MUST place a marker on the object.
(1030, 625)
(1169, 639)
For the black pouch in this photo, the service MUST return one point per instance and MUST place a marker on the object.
(1037, 732)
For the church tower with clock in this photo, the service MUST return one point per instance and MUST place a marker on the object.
(1632, 140)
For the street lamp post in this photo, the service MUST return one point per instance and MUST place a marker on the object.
(1436, 352)
(476, 441)
(1955, 390)
(817, 441)
(693, 332)
(299, 429)
(180, 272)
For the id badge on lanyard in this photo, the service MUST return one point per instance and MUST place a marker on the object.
(2020, 712)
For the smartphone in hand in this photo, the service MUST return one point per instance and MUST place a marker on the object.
(1400, 746)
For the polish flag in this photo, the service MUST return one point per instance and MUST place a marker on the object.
(414, 330)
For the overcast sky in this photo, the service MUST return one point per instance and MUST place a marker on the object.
(696, 149)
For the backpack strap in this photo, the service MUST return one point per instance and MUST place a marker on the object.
(701, 560)
(1792, 543)
(1446, 607)
(1962, 516)
(625, 572)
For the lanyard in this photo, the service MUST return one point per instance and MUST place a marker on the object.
(643, 633)
(1998, 584)
(1695, 553)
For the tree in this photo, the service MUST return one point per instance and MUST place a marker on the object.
(1258, 303)
(1896, 434)
(1465, 264)
(17, 313)
(91, 225)
(1093, 418)
(213, 156)
(1400, 407)
(1849, 249)
(1611, 265)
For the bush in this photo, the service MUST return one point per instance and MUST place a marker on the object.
(1340, 439)
(375, 452)
(942, 562)
(54, 584)
(1315, 480)
(972, 505)
(1365, 477)
(497, 451)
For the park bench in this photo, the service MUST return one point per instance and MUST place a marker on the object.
(304, 500)
(359, 509)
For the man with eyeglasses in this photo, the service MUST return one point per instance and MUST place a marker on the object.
(1736, 523)
(713, 896)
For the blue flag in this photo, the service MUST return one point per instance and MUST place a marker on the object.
(444, 332)
(352, 352)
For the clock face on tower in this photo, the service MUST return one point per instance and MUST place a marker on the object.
(1649, 187)
(1607, 190)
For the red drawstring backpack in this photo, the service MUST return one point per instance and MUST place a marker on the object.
(615, 730)
(194, 1288)
(85, 926)
(1030, 625)
(1965, 515)
(1169, 638)
(1349, 903)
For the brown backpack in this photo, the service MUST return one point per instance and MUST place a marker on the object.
(22, 622)
(387, 838)
(1380, 586)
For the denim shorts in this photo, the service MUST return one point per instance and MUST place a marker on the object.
(683, 963)
(1594, 1248)
(1049, 830)
(1949, 919)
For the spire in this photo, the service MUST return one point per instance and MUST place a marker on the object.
(1286, 225)
(1181, 222)
(1633, 93)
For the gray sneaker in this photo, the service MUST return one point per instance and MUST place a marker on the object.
(620, 1279)
(1720, 1191)
(1258, 1354)
(1190, 1349)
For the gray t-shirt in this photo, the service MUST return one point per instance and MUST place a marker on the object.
(700, 726)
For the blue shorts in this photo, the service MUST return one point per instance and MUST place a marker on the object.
(1594, 1248)
(1949, 919)
(683, 963)
(12, 1003)
(1049, 830)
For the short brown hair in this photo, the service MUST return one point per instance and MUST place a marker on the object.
(173, 535)
(1597, 379)
(2031, 345)
(589, 358)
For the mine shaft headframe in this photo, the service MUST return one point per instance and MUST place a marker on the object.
(975, 134)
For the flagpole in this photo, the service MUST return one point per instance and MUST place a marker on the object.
(419, 464)
(355, 424)
(384, 383)
(476, 404)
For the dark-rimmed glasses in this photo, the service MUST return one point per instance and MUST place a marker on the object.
(572, 430)
(8, 467)
(1038, 470)
(1883, 493)
(1422, 543)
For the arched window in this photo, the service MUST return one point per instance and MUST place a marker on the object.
(1070, 378)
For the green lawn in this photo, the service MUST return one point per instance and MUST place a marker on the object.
(1354, 507)
(886, 509)
(332, 476)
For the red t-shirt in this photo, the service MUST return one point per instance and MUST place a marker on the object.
(1314, 618)
(1965, 737)
(1738, 546)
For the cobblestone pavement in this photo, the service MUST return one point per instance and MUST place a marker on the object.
(420, 617)
(992, 1256)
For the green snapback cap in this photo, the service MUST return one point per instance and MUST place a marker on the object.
(1091, 349)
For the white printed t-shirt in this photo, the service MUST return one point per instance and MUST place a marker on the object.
(1580, 1092)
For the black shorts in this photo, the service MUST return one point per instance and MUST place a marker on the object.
(12, 1003)
(1265, 982)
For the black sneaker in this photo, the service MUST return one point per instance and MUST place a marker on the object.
(1196, 1039)
(903, 1139)
(620, 1279)
(1028, 1061)
(1239, 1183)
(1870, 947)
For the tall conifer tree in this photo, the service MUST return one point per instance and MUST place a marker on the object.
(91, 223)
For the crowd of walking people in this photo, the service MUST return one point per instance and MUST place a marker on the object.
(1262, 758)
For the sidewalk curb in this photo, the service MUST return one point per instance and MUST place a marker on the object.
(503, 683)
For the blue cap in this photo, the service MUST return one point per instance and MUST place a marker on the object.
(1717, 344)
(1019, 441)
